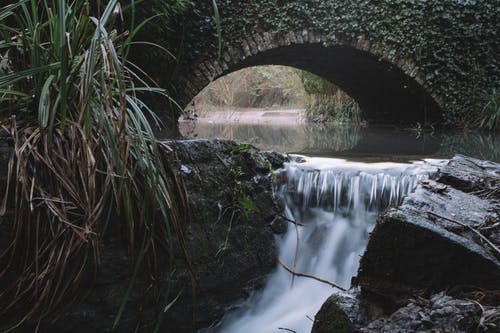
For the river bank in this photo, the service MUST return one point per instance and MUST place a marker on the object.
(230, 248)
(245, 116)
(232, 242)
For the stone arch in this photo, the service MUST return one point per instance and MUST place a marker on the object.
(389, 89)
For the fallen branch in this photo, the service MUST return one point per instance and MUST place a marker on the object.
(484, 238)
(309, 276)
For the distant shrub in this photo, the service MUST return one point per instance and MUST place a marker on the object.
(489, 115)
(260, 86)
(325, 102)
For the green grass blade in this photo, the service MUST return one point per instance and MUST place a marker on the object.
(8, 10)
(110, 7)
(13, 93)
(10, 79)
(170, 54)
(63, 56)
(44, 104)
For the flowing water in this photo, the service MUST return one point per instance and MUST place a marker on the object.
(334, 203)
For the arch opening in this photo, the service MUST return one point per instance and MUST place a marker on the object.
(385, 93)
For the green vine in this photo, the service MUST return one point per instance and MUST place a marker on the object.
(454, 43)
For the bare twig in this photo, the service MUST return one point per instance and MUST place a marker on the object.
(310, 276)
(286, 329)
(484, 238)
(291, 221)
(296, 252)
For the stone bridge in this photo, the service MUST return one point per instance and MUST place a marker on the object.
(402, 60)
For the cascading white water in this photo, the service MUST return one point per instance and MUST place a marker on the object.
(336, 203)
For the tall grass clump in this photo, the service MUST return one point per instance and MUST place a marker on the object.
(325, 102)
(489, 115)
(84, 151)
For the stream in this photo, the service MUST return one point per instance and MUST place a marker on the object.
(335, 203)
(334, 198)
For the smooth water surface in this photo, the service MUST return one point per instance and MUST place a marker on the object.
(358, 143)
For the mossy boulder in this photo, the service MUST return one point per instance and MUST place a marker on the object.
(230, 239)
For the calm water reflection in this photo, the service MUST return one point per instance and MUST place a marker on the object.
(371, 143)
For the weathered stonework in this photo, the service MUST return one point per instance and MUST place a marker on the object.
(254, 50)
(451, 49)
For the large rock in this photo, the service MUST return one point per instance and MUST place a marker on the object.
(431, 241)
(231, 254)
(439, 313)
(444, 237)
(230, 246)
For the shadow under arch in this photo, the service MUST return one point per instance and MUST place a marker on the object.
(388, 90)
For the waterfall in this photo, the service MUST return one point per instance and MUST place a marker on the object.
(335, 204)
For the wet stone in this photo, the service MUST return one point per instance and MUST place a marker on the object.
(332, 317)
(440, 313)
(469, 174)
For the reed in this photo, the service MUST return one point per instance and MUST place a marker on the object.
(84, 151)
